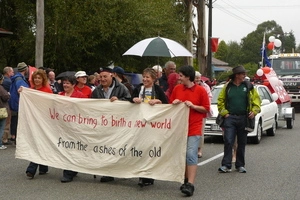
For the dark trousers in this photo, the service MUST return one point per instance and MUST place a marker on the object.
(234, 126)
(33, 167)
(14, 124)
(69, 174)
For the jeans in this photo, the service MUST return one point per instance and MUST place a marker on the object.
(234, 126)
(14, 124)
(2, 126)
(33, 167)
(192, 150)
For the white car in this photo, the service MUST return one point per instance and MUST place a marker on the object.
(266, 120)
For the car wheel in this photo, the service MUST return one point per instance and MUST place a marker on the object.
(271, 131)
(289, 123)
(256, 139)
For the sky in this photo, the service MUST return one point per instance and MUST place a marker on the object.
(234, 19)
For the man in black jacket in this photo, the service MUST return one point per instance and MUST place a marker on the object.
(111, 89)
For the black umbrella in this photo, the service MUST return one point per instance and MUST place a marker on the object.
(64, 74)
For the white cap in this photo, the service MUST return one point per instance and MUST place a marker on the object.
(157, 68)
(197, 74)
(80, 74)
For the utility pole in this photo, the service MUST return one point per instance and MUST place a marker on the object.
(190, 32)
(209, 54)
(40, 29)
(200, 34)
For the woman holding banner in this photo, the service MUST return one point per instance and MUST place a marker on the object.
(151, 93)
(195, 97)
(39, 82)
(69, 91)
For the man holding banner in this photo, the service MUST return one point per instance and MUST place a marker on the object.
(195, 97)
(110, 88)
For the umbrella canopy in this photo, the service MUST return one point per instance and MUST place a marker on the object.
(64, 74)
(158, 46)
(204, 78)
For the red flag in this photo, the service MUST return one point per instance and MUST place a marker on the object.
(214, 44)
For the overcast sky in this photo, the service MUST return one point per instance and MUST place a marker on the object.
(234, 19)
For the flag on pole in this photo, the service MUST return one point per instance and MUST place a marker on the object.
(214, 44)
(264, 56)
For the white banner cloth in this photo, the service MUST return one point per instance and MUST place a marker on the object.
(100, 137)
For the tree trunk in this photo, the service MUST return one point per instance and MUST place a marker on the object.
(40, 27)
(201, 40)
(190, 32)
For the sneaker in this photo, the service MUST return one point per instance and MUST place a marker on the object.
(106, 179)
(30, 175)
(188, 189)
(241, 169)
(42, 173)
(3, 147)
(224, 169)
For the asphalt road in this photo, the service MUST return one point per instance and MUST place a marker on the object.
(273, 172)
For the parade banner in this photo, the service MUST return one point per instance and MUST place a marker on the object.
(99, 137)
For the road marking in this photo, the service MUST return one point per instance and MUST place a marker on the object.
(210, 159)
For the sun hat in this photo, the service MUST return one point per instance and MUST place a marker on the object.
(80, 74)
(238, 69)
(157, 68)
(22, 66)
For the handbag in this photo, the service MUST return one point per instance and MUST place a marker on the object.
(3, 113)
(250, 124)
(220, 120)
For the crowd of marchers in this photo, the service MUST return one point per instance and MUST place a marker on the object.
(160, 85)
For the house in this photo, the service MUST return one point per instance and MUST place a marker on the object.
(219, 65)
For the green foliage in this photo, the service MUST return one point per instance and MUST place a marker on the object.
(288, 42)
(234, 54)
(88, 34)
(222, 52)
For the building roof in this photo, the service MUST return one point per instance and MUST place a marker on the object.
(217, 62)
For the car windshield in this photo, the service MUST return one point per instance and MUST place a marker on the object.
(215, 94)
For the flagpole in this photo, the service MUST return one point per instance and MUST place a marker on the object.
(263, 49)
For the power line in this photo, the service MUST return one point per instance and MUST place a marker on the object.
(236, 16)
(237, 8)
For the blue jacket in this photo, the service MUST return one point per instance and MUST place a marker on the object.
(17, 80)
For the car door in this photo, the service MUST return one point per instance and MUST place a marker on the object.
(267, 110)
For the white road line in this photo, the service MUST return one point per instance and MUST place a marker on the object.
(210, 159)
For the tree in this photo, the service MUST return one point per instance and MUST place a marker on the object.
(288, 42)
(234, 54)
(222, 52)
(88, 34)
(252, 43)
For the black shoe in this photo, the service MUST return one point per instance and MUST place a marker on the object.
(145, 182)
(30, 175)
(188, 189)
(104, 179)
(42, 173)
(182, 186)
(65, 180)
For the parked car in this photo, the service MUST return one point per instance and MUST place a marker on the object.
(265, 121)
